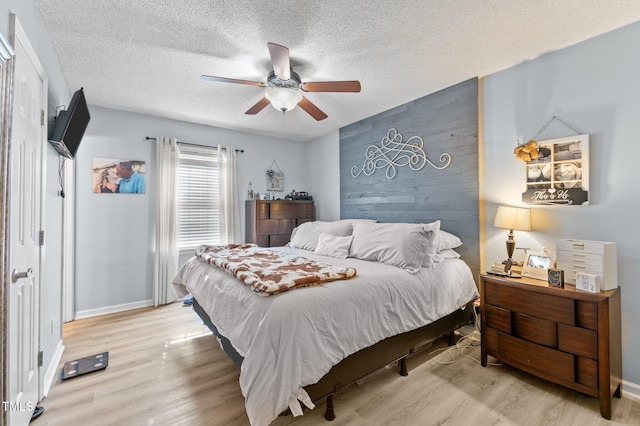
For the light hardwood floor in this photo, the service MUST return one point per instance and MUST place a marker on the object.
(165, 368)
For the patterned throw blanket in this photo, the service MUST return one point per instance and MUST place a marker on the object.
(269, 272)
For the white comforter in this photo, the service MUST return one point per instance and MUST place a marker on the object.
(292, 339)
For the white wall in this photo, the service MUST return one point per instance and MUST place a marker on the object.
(114, 232)
(323, 172)
(593, 86)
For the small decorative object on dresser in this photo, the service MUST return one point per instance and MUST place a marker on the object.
(556, 278)
(537, 265)
(571, 338)
(587, 282)
(512, 218)
(590, 257)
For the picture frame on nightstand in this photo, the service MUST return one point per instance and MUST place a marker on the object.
(537, 264)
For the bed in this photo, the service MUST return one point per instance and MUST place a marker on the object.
(304, 344)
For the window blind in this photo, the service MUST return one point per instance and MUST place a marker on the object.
(199, 197)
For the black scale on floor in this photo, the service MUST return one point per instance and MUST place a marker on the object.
(84, 365)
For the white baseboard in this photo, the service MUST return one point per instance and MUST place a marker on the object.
(52, 369)
(631, 390)
(113, 309)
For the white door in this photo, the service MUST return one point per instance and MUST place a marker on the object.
(29, 101)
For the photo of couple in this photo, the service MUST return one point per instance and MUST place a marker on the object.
(113, 176)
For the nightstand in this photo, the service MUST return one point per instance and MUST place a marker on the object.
(566, 336)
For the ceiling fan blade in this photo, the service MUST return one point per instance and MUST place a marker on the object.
(331, 86)
(280, 61)
(311, 109)
(258, 107)
(232, 80)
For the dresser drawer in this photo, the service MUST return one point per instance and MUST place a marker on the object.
(578, 341)
(278, 240)
(262, 210)
(579, 267)
(587, 315)
(267, 226)
(570, 272)
(587, 373)
(276, 226)
(286, 211)
(545, 306)
(581, 246)
(536, 330)
(497, 318)
(580, 259)
(544, 362)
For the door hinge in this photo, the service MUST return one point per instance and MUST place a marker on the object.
(41, 238)
(40, 359)
(42, 117)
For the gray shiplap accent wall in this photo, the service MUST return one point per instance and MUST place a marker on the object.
(448, 122)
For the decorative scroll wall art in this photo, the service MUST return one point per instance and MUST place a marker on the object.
(394, 152)
(560, 175)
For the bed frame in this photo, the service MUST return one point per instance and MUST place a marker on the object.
(368, 360)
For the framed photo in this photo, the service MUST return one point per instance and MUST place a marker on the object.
(117, 176)
(537, 265)
(560, 175)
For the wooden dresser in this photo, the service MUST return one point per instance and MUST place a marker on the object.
(566, 336)
(269, 223)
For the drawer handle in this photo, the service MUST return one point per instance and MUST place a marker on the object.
(580, 267)
(579, 261)
(578, 244)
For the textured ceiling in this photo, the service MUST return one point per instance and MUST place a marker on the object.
(147, 56)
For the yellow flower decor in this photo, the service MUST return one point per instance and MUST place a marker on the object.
(527, 152)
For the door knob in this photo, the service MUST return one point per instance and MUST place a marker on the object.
(15, 275)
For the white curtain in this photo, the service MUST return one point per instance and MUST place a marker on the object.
(230, 204)
(166, 249)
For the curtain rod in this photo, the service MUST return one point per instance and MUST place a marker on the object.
(150, 138)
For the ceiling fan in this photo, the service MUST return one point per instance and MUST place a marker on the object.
(285, 87)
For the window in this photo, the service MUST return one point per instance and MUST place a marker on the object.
(199, 200)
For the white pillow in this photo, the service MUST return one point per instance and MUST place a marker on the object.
(445, 240)
(306, 235)
(446, 254)
(330, 245)
(352, 221)
(399, 244)
(431, 251)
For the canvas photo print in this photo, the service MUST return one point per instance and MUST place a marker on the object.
(116, 176)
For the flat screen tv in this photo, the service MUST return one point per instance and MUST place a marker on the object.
(69, 126)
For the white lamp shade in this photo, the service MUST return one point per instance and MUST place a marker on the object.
(283, 98)
(514, 218)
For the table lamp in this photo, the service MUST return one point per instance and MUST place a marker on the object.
(512, 218)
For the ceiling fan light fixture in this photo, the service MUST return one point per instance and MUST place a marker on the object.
(283, 98)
